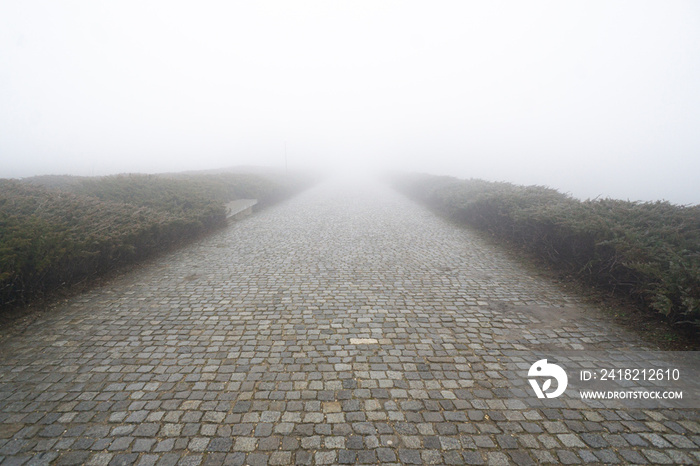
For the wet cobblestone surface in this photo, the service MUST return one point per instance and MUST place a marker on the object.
(236, 350)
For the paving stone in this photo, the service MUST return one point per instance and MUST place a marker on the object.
(146, 430)
(73, 457)
(386, 455)
(280, 457)
(325, 457)
(164, 445)
(431, 457)
(123, 459)
(245, 444)
(410, 456)
(497, 458)
(347, 456)
(520, 457)
(568, 457)
(235, 458)
(141, 445)
(257, 459)
(98, 459)
(544, 456)
(607, 456)
(198, 444)
(656, 457)
(632, 456)
(472, 457)
(588, 456)
(303, 457)
(121, 443)
(570, 440)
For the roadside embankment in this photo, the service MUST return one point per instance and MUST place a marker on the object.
(647, 251)
(56, 231)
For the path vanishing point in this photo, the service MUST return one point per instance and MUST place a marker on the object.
(347, 325)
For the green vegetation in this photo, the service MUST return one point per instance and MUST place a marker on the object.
(648, 251)
(58, 230)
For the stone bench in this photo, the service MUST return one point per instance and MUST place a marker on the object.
(239, 208)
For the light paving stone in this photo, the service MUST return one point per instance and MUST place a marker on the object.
(245, 444)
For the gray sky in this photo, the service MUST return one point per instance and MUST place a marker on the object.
(592, 98)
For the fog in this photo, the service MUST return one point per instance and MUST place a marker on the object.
(592, 98)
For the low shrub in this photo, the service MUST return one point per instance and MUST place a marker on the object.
(58, 230)
(649, 251)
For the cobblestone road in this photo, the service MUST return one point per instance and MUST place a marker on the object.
(240, 350)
